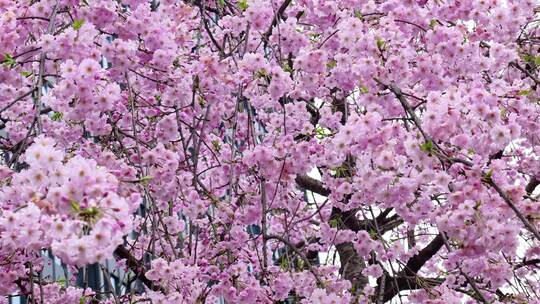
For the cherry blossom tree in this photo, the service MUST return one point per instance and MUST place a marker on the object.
(271, 151)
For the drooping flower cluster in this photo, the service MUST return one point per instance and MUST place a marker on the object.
(67, 204)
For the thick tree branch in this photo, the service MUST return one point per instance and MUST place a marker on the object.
(313, 185)
(532, 262)
(135, 266)
(407, 278)
(418, 260)
(279, 15)
(393, 285)
(387, 224)
(533, 183)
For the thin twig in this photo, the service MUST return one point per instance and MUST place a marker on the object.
(16, 100)
(298, 252)
(39, 85)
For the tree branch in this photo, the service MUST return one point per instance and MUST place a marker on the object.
(407, 278)
(514, 208)
(313, 185)
(533, 183)
(531, 76)
(135, 266)
(279, 15)
(418, 260)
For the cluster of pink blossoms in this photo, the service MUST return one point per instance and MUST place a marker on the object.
(68, 204)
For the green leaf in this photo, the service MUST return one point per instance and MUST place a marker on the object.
(62, 282)
(321, 132)
(9, 61)
(287, 68)
(433, 23)
(261, 73)
(503, 113)
(75, 205)
(528, 58)
(531, 59)
(300, 264)
(77, 24)
(26, 74)
(381, 44)
(488, 174)
(364, 90)
(524, 92)
(89, 212)
(334, 223)
(284, 264)
(216, 145)
(427, 146)
(82, 300)
(341, 171)
(314, 37)
(478, 204)
(201, 101)
(358, 15)
(243, 5)
(331, 64)
(57, 116)
(145, 179)
(90, 215)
